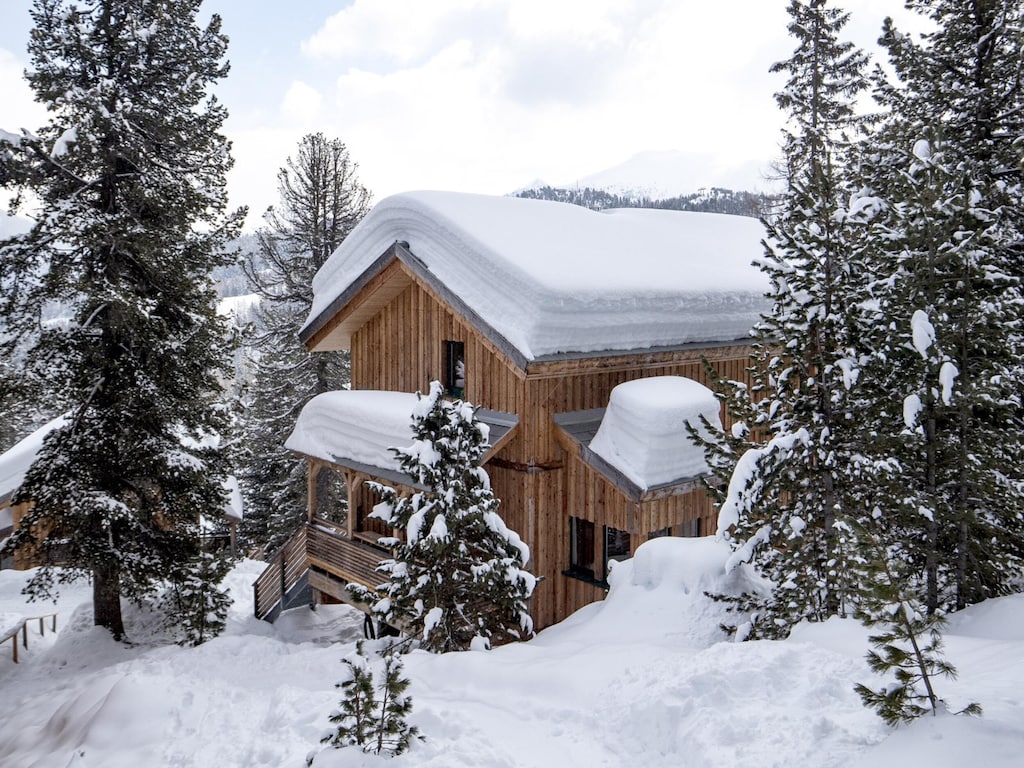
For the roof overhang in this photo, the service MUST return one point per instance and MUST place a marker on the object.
(502, 429)
(577, 428)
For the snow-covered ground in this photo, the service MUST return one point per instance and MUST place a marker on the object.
(644, 679)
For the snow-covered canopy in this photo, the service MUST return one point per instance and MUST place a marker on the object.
(358, 428)
(643, 432)
(357, 425)
(15, 462)
(556, 278)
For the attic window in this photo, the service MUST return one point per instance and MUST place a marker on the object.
(455, 368)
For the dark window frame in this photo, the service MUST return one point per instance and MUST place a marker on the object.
(454, 353)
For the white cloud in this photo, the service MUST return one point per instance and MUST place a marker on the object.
(20, 110)
(301, 102)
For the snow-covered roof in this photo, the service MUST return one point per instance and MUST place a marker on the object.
(358, 428)
(554, 278)
(643, 432)
(15, 462)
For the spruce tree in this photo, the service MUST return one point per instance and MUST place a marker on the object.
(458, 577)
(321, 200)
(789, 501)
(129, 175)
(946, 334)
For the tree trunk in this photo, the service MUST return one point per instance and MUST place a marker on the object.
(106, 600)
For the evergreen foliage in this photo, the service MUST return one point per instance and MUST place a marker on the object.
(374, 715)
(909, 645)
(193, 601)
(788, 501)
(946, 164)
(458, 577)
(321, 201)
(129, 174)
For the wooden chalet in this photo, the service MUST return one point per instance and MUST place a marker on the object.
(534, 312)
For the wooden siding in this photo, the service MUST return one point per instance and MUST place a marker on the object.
(539, 483)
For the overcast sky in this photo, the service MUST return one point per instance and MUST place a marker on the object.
(489, 95)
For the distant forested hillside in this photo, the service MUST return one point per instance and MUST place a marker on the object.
(713, 200)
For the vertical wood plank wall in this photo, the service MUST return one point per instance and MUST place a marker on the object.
(540, 485)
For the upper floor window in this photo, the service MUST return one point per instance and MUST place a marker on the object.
(455, 368)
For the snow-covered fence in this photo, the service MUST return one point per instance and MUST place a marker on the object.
(22, 627)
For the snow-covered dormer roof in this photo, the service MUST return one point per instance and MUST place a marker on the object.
(643, 432)
(359, 428)
(552, 278)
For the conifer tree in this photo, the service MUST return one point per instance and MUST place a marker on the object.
(458, 576)
(321, 200)
(374, 716)
(130, 177)
(788, 501)
(946, 330)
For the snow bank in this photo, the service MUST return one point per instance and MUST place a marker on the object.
(15, 462)
(639, 679)
(553, 277)
(643, 432)
(360, 425)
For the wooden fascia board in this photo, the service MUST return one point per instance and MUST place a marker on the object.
(627, 487)
(374, 281)
(491, 338)
(554, 366)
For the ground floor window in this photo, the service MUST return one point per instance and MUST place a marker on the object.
(689, 529)
(581, 548)
(587, 560)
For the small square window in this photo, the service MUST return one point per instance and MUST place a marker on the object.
(455, 368)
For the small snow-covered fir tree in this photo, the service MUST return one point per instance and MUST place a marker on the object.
(129, 175)
(194, 602)
(321, 200)
(373, 715)
(459, 575)
(908, 643)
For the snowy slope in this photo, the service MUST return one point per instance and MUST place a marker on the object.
(663, 174)
(641, 679)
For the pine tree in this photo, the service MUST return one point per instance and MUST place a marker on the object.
(130, 177)
(374, 716)
(909, 644)
(194, 602)
(458, 576)
(321, 201)
(947, 161)
(789, 500)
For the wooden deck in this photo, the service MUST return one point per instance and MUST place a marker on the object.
(331, 560)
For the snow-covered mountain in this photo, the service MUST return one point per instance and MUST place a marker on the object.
(670, 173)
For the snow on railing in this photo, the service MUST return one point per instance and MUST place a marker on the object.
(22, 627)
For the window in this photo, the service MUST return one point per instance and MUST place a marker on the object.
(455, 368)
(616, 546)
(689, 529)
(583, 562)
(581, 548)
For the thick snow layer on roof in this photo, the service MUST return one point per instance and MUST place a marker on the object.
(359, 425)
(15, 462)
(553, 277)
(643, 432)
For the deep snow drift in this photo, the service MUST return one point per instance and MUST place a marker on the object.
(644, 678)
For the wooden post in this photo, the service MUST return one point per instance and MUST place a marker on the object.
(311, 500)
(350, 500)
